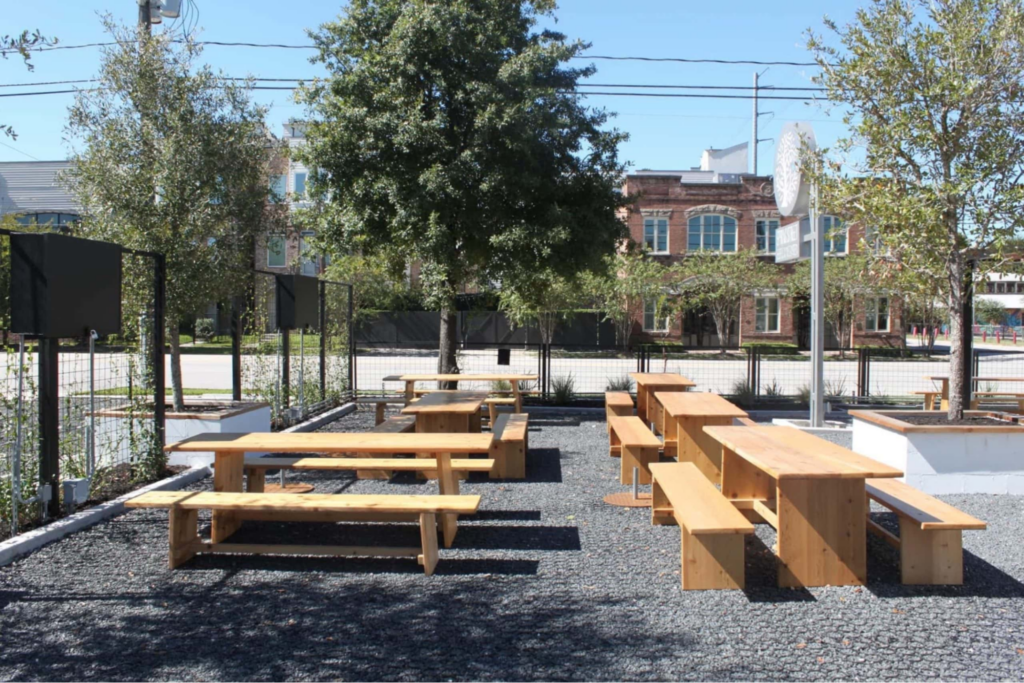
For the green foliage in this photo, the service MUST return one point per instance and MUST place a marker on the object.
(803, 394)
(932, 92)
(836, 388)
(450, 133)
(629, 278)
(988, 312)
(620, 383)
(501, 386)
(205, 328)
(563, 389)
(743, 393)
(717, 282)
(377, 283)
(173, 158)
(773, 389)
(548, 299)
(847, 280)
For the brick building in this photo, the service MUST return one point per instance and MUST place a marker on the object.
(720, 207)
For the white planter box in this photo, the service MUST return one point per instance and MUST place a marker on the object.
(231, 417)
(940, 459)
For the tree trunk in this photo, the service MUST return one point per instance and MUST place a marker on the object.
(447, 357)
(178, 395)
(722, 327)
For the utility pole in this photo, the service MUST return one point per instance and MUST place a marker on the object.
(145, 25)
(753, 138)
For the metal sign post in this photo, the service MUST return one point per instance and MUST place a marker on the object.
(817, 239)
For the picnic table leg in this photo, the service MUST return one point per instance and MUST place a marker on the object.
(227, 477)
(428, 539)
(822, 532)
(184, 535)
(410, 392)
(517, 396)
(944, 403)
(448, 485)
(641, 402)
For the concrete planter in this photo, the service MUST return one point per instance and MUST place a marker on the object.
(836, 432)
(942, 459)
(222, 417)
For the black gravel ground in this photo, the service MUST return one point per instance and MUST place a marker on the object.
(547, 583)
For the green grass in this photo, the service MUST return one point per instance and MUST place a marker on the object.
(123, 391)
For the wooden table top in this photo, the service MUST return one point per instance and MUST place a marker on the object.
(447, 402)
(697, 404)
(788, 453)
(331, 442)
(661, 379)
(486, 377)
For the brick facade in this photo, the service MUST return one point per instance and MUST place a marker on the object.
(747, 200)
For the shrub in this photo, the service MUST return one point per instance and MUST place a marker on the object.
(563, 389)
(621, 383)
(204, 328)
(835, 388)
(773, 348)
(501, 386)
(743, 393)
(773, 390)
(803, 394)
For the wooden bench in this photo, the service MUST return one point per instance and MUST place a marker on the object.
(713, 531)
(616, 404)
(929, 398)
(930, 540)
(1015, 397)
(492, 404)
(638, 445)
(256, 468)
(380, 403)
(397, 424)
(511, 442)
(184, 522)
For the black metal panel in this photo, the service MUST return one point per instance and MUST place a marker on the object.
(297, 302)
(64, 286)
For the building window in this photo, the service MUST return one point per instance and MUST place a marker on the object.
(652, 321)
(656, 235)
(300, 185)
(278, 188)
(307, 260)
(56, 221)
(711, 233)
(877, 312)
(835, 235)
(766, 317)
(276, 252)
(764, 231)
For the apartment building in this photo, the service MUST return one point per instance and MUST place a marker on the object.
(719, 207)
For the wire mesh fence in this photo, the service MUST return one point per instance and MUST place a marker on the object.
(82, 415)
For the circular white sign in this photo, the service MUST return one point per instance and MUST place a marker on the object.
(792, 190)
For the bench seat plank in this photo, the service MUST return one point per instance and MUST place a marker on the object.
(696, 503)
(349, 464)
(631, 431)
(931, 513)
(333, 442)
(309, 502)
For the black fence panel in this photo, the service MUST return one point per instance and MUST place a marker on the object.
(481, 327)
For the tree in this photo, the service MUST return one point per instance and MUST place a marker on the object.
(175, 159)
(452, 131)
(847, 280)
(22, 44)
(718, 282)
(551, 299)
(629, 280)
(934, 93)
(989, 312)
(376, 283)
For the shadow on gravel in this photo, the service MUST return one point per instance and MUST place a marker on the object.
(359, 565)
(762, 576)
(485, 537)
(510, 515)
(543, 466)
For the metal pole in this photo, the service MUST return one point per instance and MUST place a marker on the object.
(91, 463)
(302, 369)
(159, 376)
(16, 454)
(753, 140)
(49, 423)
(967, 340)
(353, 376)
(323, 340)
(817, 313)
(236, 348)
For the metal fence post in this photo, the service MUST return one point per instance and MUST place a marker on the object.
(49, 422)
(353, 375)
(159, 377)
(286, 369)
(754, 370)
(323, 340)
(864, 372)
(236, 348)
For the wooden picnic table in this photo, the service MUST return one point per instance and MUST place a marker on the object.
(647, 383)
(686, 413)
(512, 378)
(811, 490)
(229, 451)
(944, 379)
(446, 412)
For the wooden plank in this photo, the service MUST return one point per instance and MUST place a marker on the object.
(309, 502)
(712, 561)
(447, 402)
(697, 446)
(631, 431)
(813, 445)
(349, 464)
(618, 399)
(428, 540)
(697, 404)
(183, 531)
(227, 478)
(696, 503)
(663, 379)
(884, 534)
(822, 528)
(928, 512)
(742, 480)
(933, 557)
(334, 442)
(639, 457)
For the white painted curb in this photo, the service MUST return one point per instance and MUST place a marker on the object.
(30, 541)
(320, 420)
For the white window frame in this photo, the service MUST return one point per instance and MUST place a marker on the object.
(871, 314)
(300, 196)
(661, 324)
(657, 222)
(702, 218)
(768, 237)
(762, 310)
(829, 242)
(284, 250)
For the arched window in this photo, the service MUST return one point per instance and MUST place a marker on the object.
(711, 232)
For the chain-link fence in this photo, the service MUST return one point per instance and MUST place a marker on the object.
(297, 372)
(81, 415)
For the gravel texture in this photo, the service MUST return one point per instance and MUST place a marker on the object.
(546, 583)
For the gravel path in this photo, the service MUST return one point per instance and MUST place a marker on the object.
(546, 583)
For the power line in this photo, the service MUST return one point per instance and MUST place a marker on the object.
(96, 80)
(684, 60)
(12, 147)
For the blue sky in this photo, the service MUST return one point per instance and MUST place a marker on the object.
(664, 132)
